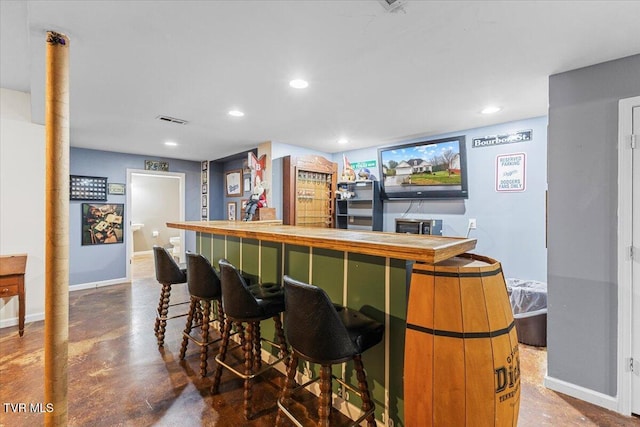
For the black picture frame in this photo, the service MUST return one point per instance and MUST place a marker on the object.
(87, 188)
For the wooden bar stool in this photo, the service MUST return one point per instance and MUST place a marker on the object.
(168, 273)
(204, 288)
(320, 332)
(244, 305)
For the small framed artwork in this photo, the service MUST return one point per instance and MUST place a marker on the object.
(247, 182)
(102, 223)
(205, 165)
(233, 183)
(231, 211)
(87, 188)
(204, 188)
(156, 165)
(115, 188)
(204, 200)
(205, 214)
(244, 204)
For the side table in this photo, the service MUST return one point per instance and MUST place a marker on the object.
(12, 269)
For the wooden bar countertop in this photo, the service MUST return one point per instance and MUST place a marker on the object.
(424, 248)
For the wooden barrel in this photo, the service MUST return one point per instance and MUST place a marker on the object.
(462, 366)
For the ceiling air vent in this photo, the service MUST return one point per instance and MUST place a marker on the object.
(172, 120)
(391, 5)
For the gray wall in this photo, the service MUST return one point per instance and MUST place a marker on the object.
(511, 226)
(582, 179)
(89, 264)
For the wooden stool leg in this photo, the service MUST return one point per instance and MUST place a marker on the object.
(205, 337)
(219, 315)
(164, 310)
(367, 403)
(156, 328)
(324, 408)
(289, 385)
(226, 333)
(284, 350)
(188, 327)
(257, 347)
(247, 344)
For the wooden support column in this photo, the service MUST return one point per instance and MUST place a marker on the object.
(56, 320)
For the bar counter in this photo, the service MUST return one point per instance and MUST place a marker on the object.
(422, 248)
(364, 270)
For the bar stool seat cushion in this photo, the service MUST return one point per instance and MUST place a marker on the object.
(363, 331)
(267, 290)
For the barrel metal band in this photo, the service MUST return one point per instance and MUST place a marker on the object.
(452, 334)
(459, 274)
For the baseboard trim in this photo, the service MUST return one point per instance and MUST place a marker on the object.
(588, 395)
(95, 285)
(143, 253)
(5, 323)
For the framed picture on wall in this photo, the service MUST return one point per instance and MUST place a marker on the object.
(116, 188)
(156, 165)
(231, 211)
(102, 223)
(233, 183)
(87, 187)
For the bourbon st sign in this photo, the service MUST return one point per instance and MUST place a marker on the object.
(508, 138)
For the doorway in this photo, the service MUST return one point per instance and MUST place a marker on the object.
(629, 256)
(154, 198)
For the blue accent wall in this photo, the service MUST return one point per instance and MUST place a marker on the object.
(511, 226)
(89, 264)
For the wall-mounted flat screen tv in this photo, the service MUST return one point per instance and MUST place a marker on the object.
(435, 169)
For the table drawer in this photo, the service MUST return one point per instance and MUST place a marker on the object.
(7, 289)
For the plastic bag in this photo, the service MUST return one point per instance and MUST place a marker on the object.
(527, 296)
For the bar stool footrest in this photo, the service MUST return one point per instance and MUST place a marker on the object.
(293, 419)
(253, 374)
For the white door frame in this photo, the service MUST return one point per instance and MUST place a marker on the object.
(625, 264)
(181, 177)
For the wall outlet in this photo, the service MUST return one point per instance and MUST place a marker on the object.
(472, 224)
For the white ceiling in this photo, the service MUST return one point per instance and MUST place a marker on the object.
(376, 77)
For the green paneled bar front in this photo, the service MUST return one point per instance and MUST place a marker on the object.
(364, 270)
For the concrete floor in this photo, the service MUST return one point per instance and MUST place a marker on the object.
(118, 377)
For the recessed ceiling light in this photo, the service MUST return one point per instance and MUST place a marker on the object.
(299, 84)
(490, 109)
(236, 113)
(171, 143)
(343, 141)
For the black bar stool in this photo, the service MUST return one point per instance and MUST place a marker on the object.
(326, 334)
(245, 305)
(204, 288)
(168, 273)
